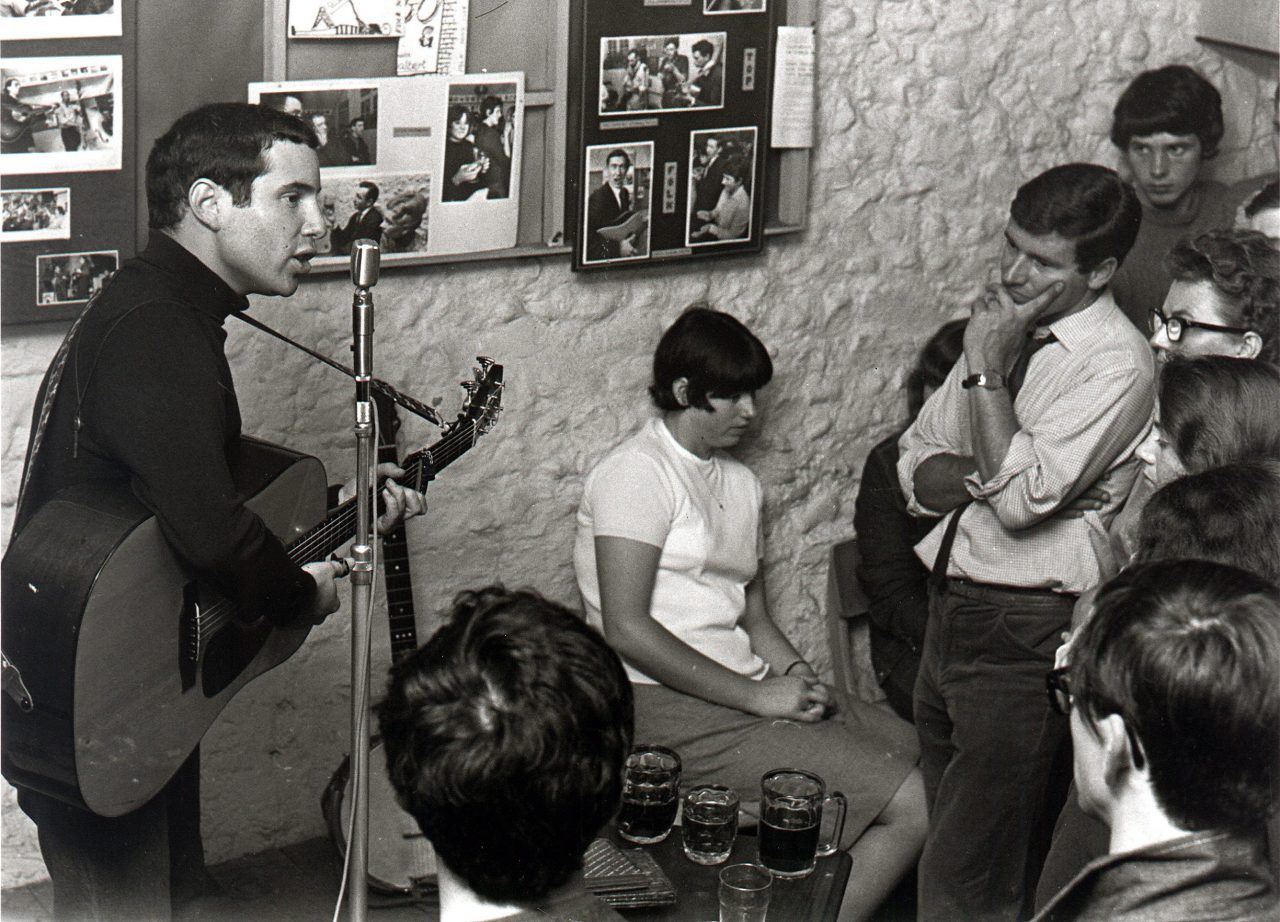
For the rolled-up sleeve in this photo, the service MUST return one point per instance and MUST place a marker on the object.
(941, 428)
(1070, 445)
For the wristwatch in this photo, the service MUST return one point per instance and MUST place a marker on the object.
(991, 380)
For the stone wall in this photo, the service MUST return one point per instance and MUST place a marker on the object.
(931, 113)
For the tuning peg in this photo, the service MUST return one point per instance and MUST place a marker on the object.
(470, 386)
(485, 364)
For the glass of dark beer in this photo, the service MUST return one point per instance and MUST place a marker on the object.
(650, 794)
(792, 802)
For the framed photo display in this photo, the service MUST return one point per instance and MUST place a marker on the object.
(669, 108)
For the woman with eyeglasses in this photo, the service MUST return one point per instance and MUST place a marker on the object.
(1224, 299)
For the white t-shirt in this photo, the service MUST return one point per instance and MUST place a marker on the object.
(704, 514)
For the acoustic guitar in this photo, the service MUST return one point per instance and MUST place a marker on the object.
(400, 859)
(20, 118)
(127, 658)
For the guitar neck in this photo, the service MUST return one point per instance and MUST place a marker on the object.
(420, 467)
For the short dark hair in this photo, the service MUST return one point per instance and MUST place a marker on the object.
(358, 118)
(371, 188)
(225, 143)
(939, 354)
(717, 354)
(1171, 100)
(1267, 197)
(737, 166)
(1218, 409)
(1187, 652)
(1230, 514)
(489, 104)
(704, 48)
(1245, 269)
(618, 152)
(1083, 202)
(505, 737)
(457, 112)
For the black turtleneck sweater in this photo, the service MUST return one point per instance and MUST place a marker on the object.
(159, 414)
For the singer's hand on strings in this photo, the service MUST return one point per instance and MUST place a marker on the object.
(401, 502)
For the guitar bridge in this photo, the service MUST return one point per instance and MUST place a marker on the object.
(190, 636)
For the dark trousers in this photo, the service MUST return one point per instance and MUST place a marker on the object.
(137, 867)
(988, 739)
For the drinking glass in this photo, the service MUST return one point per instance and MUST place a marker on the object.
(744, 893)
(710, 823)
(792, 803)
(650, 794)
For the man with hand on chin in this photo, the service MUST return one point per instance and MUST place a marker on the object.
(1052, 395)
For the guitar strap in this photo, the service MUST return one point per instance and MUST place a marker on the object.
(412, 404)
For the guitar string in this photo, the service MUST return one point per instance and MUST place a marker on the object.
(446, 451)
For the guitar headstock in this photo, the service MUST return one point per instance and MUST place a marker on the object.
(483, 402)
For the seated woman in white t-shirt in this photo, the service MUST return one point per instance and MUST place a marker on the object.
(668, 559)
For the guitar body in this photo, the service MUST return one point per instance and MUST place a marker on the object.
(401, 859)
(115, 641)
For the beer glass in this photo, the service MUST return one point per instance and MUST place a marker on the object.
(792, 802)
(650, 794)
(710, 823)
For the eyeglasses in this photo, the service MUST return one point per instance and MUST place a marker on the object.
(1173, 326)
(1057, 684)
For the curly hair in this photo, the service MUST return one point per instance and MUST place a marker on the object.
(1245, 269)
(505, 737)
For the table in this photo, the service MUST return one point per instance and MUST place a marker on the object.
(815, 898)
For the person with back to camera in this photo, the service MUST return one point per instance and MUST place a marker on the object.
(1262, 213)
(894, 579)
(505, 736)
(668, 557)
(1167, 124)
(1174, 700)
(1212, 411)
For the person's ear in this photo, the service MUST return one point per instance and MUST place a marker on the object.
(1118, 755)
(680, 391)
(207, 201)
(1098, 277)
(1250, 346)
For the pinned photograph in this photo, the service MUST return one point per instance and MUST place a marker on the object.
(714, 7)
(434, 40)
(24, 19)
(618, 202)
(481, 142)
(662, 73)
(721, 185)
(345, 119)
(61, 114)
(73, 278)
(343, 19)
(36, 214)
(390, 208)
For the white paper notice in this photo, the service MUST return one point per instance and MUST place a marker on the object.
(793, 87)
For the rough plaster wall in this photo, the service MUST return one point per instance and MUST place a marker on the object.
(931, 113)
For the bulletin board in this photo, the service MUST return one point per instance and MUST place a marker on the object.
(666, 158)
(68, 194)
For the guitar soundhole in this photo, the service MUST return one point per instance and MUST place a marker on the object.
(229, 652)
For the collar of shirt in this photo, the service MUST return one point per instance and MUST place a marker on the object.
(204, 288)
(1083, 328)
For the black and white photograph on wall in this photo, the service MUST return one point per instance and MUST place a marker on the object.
(27, 19)
(721, 185)
(714, 7)
(36, 214)
(480, 144)
(345, 120)
(72, 278)
(390, 208)
(661, 73)
(618, 203)
(343, 19)
(61, 114)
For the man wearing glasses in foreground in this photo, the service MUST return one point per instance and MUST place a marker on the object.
(1174, 700)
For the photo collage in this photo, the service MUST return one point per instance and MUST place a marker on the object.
(669, 140)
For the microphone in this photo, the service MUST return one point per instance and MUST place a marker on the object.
(364, 275)
(365, 258)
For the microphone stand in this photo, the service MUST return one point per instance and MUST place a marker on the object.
(364, 275)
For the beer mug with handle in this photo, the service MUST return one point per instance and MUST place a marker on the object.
(791, 808)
